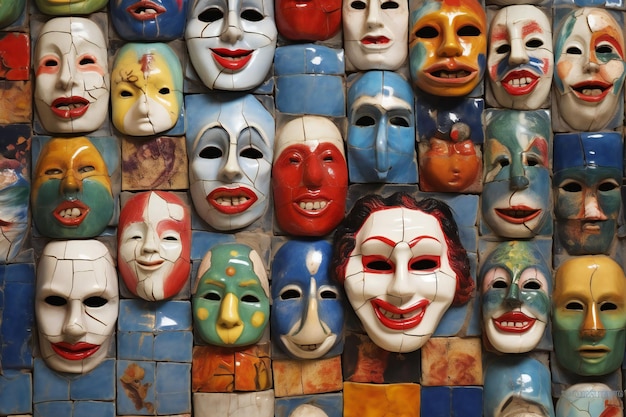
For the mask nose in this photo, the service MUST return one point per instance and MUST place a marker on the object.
(313, 175)
(450, 47)
(231, 169)
(74, 325)
(381, 149)
(400, 284)
(71, 183)
(513, 296)
(233, 31)
(518, 54)
(229, 312)
(592, 207)
(592, 327)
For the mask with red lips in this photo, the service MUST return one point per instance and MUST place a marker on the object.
(76, 304)
(310, 20)
(71, 76)
(516, 284)
(403, 271)
(230, 142)
(231, 46)
(149, 20)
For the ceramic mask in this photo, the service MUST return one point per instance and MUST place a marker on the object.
(309, 177)
(451, 163)
(71, 76)
(517, 386)
(308, 410)
(403, 272)
(312, 20)
(516, 286)
(381, 131)
(520, 61)
(516, 198)
(69, 7)
(307, 312)
(71, 193)
(231, 306)
(589, 76)
(447, 46)
(149, 20)
(14, 193)
(589, 315)
(146, 89)
(591, 398)
(375, 34)
(10, 11)
(587, 185)
(231, 43)
(76, 304)
(154, 245)
(230, 153)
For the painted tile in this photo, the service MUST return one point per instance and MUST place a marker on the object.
(135, 387)
(452, 361)
(372, 400)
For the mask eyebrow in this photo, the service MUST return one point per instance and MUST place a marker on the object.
(382, 239)
(214, 282)
(248, 283)
(531, 27)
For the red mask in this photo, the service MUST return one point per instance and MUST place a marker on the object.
(308, 20)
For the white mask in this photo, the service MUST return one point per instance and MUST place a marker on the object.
(400, 266)
(520, 61)
(71, 76)
(230, 146)
(76, 304)
(375, 34)
(231, 43)
(590, 67)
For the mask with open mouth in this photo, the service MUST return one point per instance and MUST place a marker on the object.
(71, 192)
(309, 177)
(76, 304)
(375, 34)
(230, 142)
(520, 59)
(71, 76)
(589, 315)
(516, 197)
(589, 76)
(587, 190)
(516, 285)
(307, 312)
(447, 46)
(149, 20)
(230, 46)
(402, 265)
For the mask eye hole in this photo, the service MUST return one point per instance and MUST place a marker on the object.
(500, 284)
(503, 162)
(503, 49)
(575, 306)
(249, 298)
(55, 300)
(210, 15)
(328, 295)
(572, 187)
(534, 43)
(358, 5)
(50, 63)
(424, 264)
(427, 32)
(365, 121)
(211, 152)
(164, 90)
(95, 302)
(608, 307)
(607, 186)
(251, 153)
(604, 49)
(574, 50)
(468, 30)
(212, 296)
(252, 15)
(379, 265)
(290, 294)
(532, 285)
(399, 121)
(389, 5)
(87, 61)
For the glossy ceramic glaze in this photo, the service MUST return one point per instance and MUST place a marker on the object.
(149, 20)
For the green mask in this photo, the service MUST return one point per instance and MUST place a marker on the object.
(10, 10)
(73, 7)
(589, 315)
(231, 304)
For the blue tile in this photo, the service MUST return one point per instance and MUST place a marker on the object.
(435, 402)
(300, 94)
(18, 317)
(202, 241)
(467, 402)
(53, 409)
(173, 346)
(15, 392)
(99, 384)
(136, 316)
(135, 346)
(94, 409)
(173, 388)
(173, 315)
(49, 385)
(135, 387)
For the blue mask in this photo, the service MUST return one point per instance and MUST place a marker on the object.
(307, 312)
(381, 133)
(134, 22)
